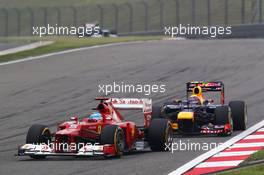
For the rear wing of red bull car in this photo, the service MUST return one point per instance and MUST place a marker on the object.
(210, 86)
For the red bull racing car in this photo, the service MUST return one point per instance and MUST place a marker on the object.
(204, 111)
(103, 133)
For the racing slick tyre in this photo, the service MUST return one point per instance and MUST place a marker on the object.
(223, 117)
(239, 114)
(160, 135)
(113, 134)
(38, 134)
(156, 112)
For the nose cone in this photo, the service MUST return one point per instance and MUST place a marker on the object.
(185, 115)
(68, 131)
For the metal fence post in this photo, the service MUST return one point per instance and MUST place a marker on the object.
(58, 15)
(101, 15)
(31, 12)
(146, 14)
(260, 11)
(193, 12)
(226, 12)
(255, 10)
(130, 17)
(18, 21)
(74, 12)
(116, 16)
(209, 12)
(177, 8)
(5, 11)
(242, 11)
(161, 13)
(45, 13)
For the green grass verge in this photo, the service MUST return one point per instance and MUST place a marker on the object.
(65, 43)
(256, 156)
(256, 170)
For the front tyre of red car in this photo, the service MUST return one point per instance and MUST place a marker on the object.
(38, 134)
(160, 135)
(114, 135)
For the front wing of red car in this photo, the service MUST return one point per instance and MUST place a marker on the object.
(46, 150)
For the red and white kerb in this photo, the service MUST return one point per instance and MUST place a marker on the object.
(231, 157)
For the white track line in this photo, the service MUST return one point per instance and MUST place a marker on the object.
(219, 164)
(214, 151)
(261, 130)
(25, 47)
(71, 50)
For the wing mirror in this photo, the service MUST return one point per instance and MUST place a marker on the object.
(209, 101)
(74, 118)
(177, 101)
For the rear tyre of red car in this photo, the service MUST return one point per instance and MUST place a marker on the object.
(156, 112)
(38, 134)
(114, 135)
(223, 117)
(160, 135)
(239, 114)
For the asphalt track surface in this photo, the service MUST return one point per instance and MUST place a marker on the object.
(49, 90)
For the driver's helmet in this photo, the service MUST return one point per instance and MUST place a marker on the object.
(194, 100)
(95, 116)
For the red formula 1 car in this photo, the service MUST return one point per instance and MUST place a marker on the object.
(104, 133)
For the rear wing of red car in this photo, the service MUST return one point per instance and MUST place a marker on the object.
(210, 86)
(143, 104)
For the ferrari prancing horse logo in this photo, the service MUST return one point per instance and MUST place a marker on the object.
(99, 128)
